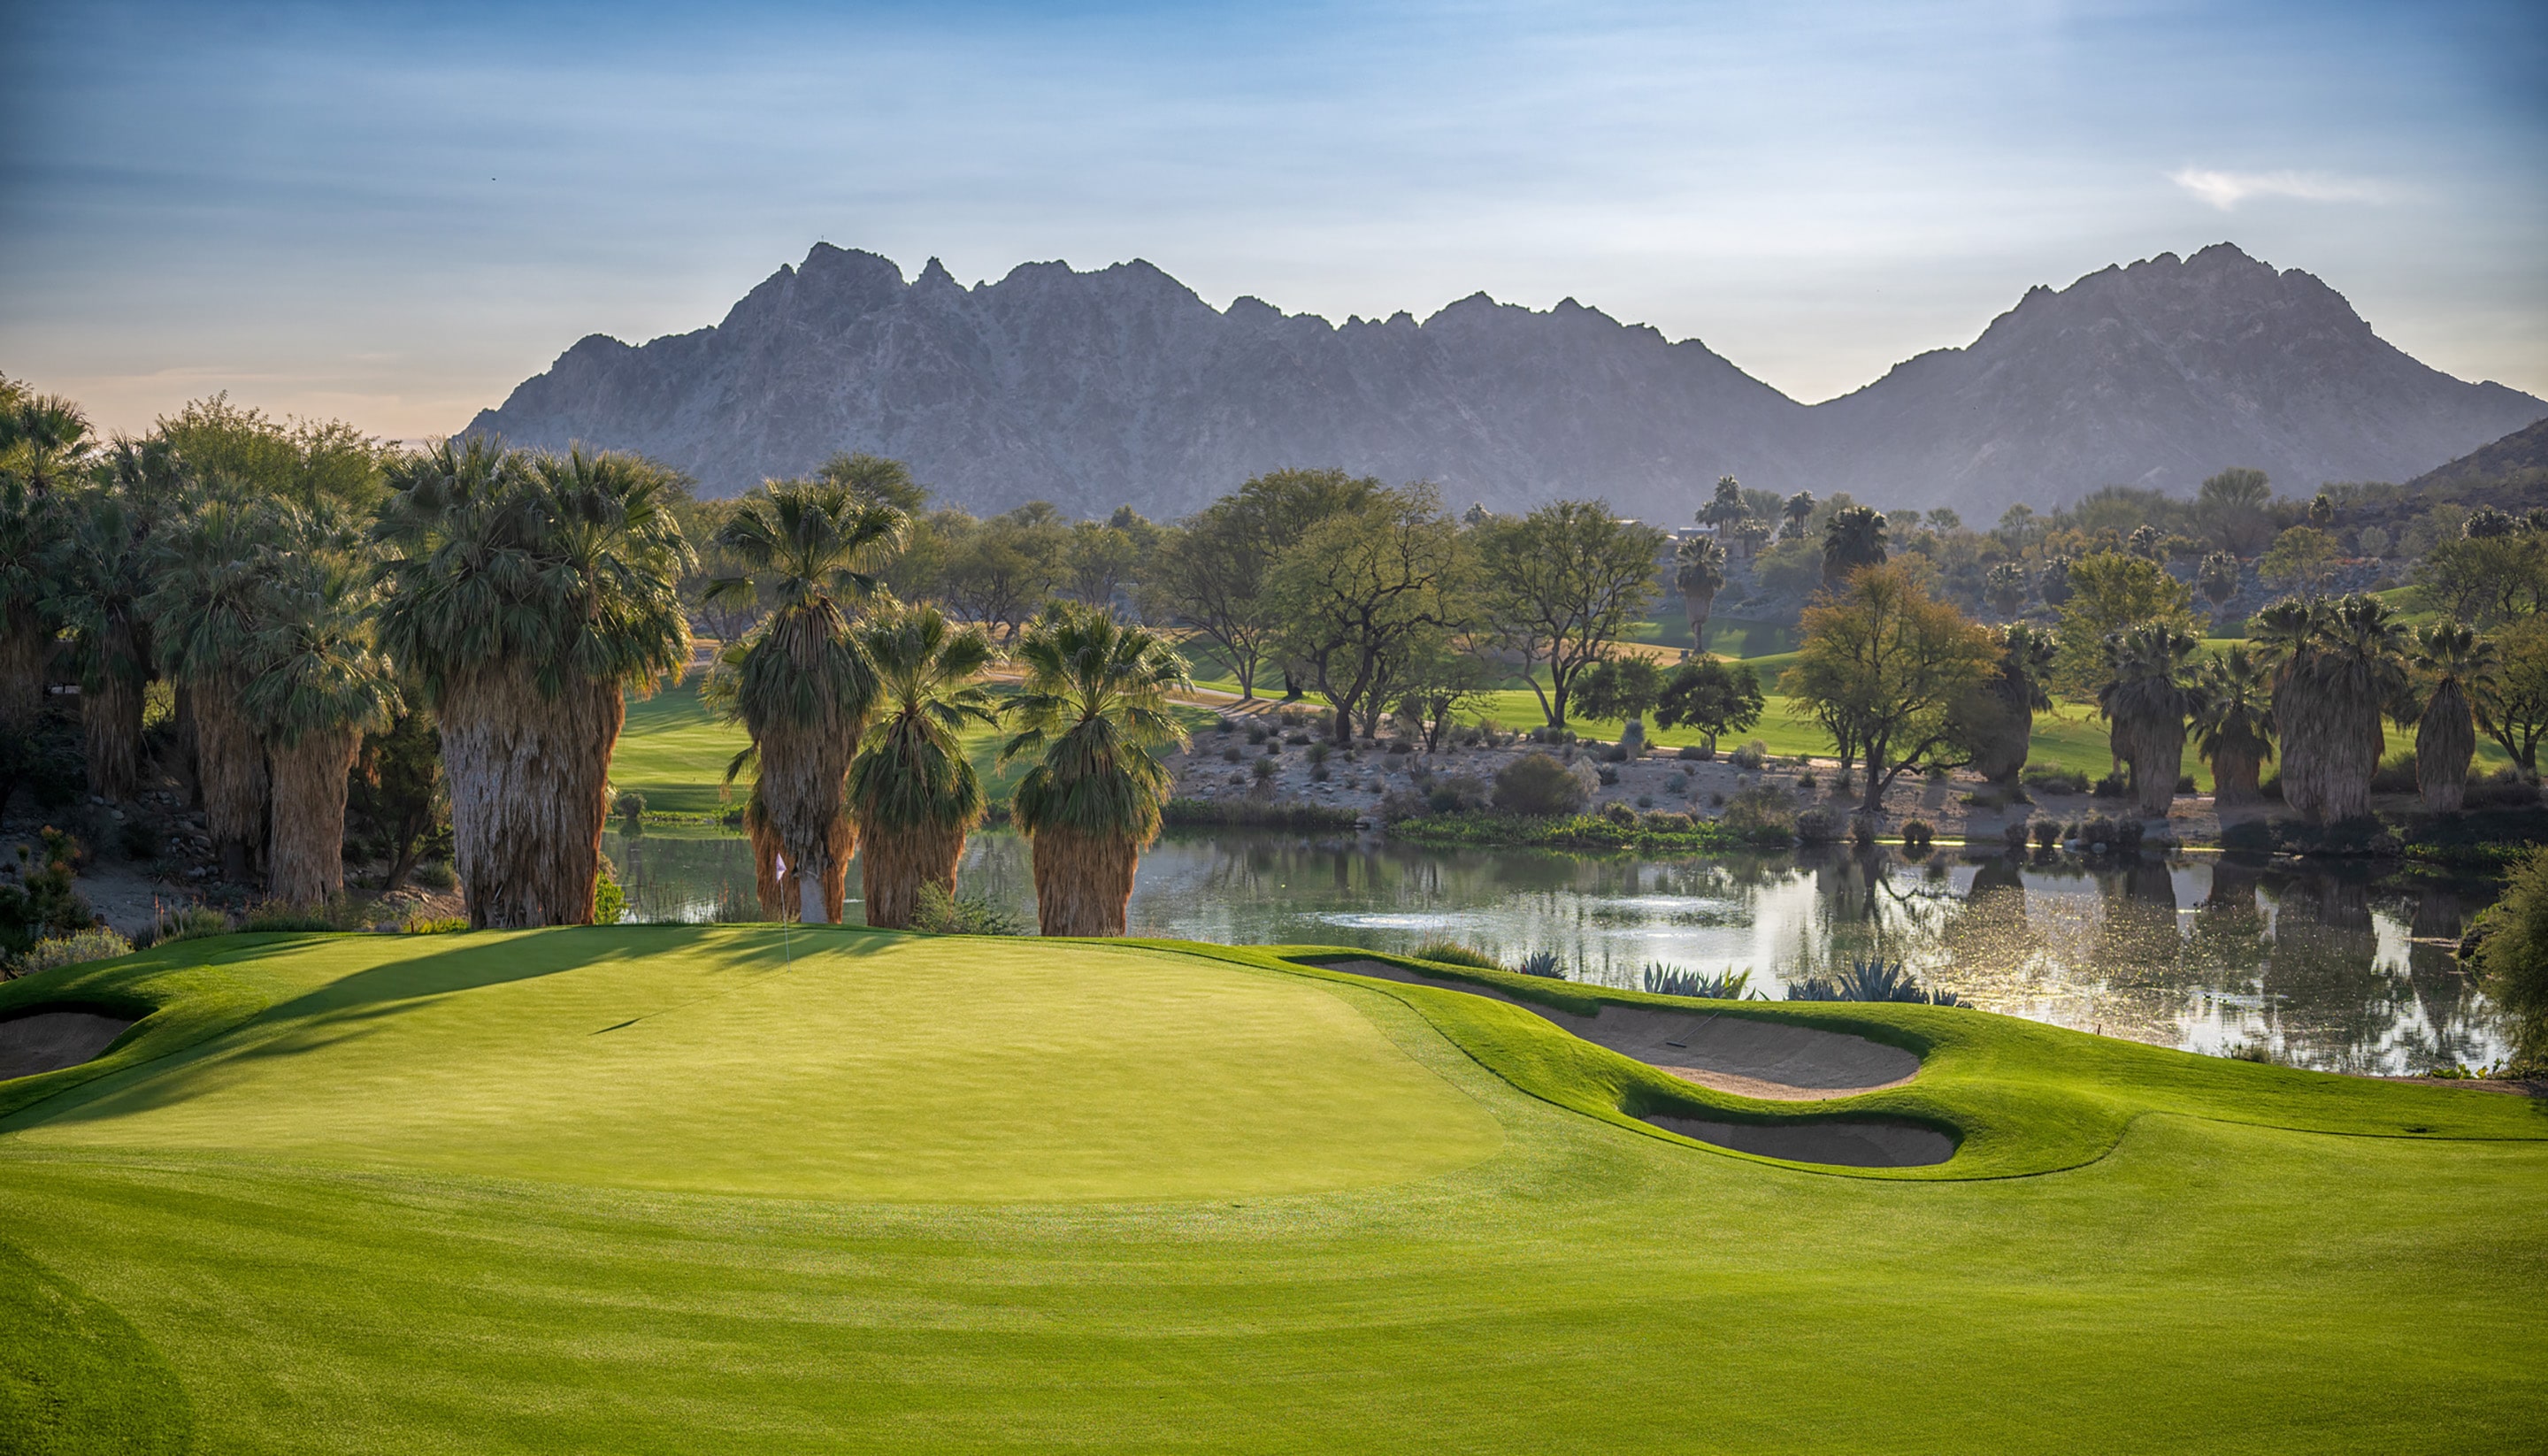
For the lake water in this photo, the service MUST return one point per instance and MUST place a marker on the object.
(2341, 969)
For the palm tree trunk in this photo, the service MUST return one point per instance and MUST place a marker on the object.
(2446, 741)
(803, 774)
(111, 720)
(529, 779)
(1697, 606)
(2303, 734)
(2155, 748)
(25, 658)
(309, 841)
(764, 859)
(2235, 775)
(2000, 754)
(1083, 883)
(233, 773)
(2349, 747)
(898, 862)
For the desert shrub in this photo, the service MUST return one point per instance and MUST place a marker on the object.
(44, 905)
(433, 925)
(1716, 800)
(1452, 952)
(2396, 776)
(98, 943)
(1619, 813)
(2110, 786)
(2501, 789)
(1690, 753)
(1645, 802)
(1609, 776)
(436, 875)
(1266, 769)
(1255, 733)
(1318, 753)
(1846, 783)
(1232, 754)
(2053, 780)
(1806, 782)
(1751, 755)
(1288, 717)
(939, 913)
(2512, 955)
(1669, 822)
(1399, 746)
(1399, 805)
(1861, 831)
(338, 913)
(193, 923)
(1759, 812)
(1224, 725)
(1671, 980)
(1919, 834)
(1297, 740)
(1818, 826)
(2016, 834)
(2048, 833)
(609, 900)
(2098, 832)
(138, 838)
(1937, 772)
(1538, 784)
(1543, 964)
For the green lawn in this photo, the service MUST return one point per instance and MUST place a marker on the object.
(697, 1189)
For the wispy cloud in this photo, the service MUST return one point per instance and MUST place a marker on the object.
(2225, 190)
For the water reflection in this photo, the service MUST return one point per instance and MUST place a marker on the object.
(2338, 968)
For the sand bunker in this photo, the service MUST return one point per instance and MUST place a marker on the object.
(1748, 1057)
(1856, 1144)
(53, 1037)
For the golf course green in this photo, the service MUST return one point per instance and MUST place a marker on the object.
(746, 1188)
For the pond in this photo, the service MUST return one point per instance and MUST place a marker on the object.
(2343, 969)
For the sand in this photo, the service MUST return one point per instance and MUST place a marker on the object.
(1744, 1055)
(46, 1040)
(1854, 1144)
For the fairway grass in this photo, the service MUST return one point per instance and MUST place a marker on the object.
(858, 1191)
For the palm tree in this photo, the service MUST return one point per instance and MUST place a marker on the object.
(103, 574)
(210, 588)
(1700, 574)
(2283, 638)
(2014, 696)
(914, 791)
(1795, 511)
(316, 684)
(1852, 538)
(2459, 663)
(1094, 704)
(2234, 724)
(2353, 669)
(42, 440)
(2148, 698)
(799, 681)
(525, 597)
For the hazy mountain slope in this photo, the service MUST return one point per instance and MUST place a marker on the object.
(2520, 457)
(2157, 373)
(1095, 388)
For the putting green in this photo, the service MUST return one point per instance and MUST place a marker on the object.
(379, 1194)
(840, 1064)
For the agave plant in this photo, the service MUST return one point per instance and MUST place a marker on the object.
(1665, 979)
(1543, 964)
(1869, 980)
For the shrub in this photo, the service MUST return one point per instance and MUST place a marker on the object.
(1678, 784)
(610, 901)
(1609, 776)
(1224, 725)
(1818, 826)
(1232, 754)
(2271, 786)
(1861, 831)
(193, 923)
(138, 838)
(2048, 833)
(1255, 733)
(95, 944)
(1399, 746)
(1716, 800)
(1670, 823)
(1452, 952)
(1759, 812)
(2110, 786)
(44, 905)
(1252, 814)
(1728, 984)
(939, 913)
(2502, 789)
(1619, 814)
(1751, 755)
(1542, 963)
(2053, 780)
(436, 875)
(2396, 776)
(2016, 834)
(433, 925)
(1645, 802)
(1918, 833)
(1806, 782)
(1537, 784)
(1266, 769)
(2098, 832)
(1846, 783)
(2512, 955)
(1690, 753)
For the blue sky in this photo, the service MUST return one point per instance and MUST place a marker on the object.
(393, 214)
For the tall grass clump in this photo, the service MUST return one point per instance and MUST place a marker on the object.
(1452, 952)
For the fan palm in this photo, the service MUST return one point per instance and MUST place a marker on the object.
(2340, 667)
(2147, 698)
(799, 681)
(1700, 574)
(42, 440)
(317, 683)
(1854, 537)
(2015, 693)
(2234, 724)
(914, 792)
(2458, 662)
(103, 574)
(524, 596)
(1093, 705)
(211, 582)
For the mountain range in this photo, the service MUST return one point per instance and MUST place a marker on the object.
(1122, 386)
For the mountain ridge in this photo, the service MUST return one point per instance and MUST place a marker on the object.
(1121, 385)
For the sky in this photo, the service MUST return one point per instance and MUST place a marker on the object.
(393, 214)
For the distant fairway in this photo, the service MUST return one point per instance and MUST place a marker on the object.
(656, 1189)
